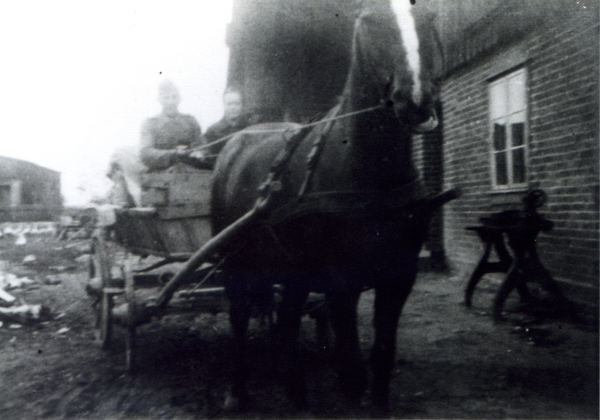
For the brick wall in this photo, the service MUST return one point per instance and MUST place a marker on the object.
(562, 65)
(428, 159)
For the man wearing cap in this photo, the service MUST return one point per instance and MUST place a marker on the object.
(167, 137)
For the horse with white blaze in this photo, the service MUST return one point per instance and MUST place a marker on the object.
(342, 208)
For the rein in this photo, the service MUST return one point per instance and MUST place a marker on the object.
(356, 202)
(325, 120)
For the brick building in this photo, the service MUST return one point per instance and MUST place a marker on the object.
(519, 100)
(28, 192)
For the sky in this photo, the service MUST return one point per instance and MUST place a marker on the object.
(80, 77)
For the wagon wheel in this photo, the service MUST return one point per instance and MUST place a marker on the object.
(131, 316)
(106, 322)
(99, 285)
(99, 267)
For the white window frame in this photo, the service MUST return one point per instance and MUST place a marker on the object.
(508, 107)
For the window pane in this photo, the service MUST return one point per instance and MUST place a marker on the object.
(519, 165)
(508, 97)
(518, 134)
(516, 92)
(501, 176)
(499, 137)
(498, 106)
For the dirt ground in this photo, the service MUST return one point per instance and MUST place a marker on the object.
(453, 362)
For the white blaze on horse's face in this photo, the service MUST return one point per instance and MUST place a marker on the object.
(410, 40)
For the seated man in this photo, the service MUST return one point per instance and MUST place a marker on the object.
(233, 120)
(167, 137)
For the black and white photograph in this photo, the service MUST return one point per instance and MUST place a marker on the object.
(285, 209)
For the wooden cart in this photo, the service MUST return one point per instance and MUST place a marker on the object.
(131, 275)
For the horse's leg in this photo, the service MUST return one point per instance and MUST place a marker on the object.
(288, 326)
(389, 301)
(239, 316)
(352, 372)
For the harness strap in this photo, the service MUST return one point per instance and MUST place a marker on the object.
(273, 184)
(348, 202)
(313, 158)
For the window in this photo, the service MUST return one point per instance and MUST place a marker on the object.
(508, 130)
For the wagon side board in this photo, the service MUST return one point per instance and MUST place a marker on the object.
(175, 214)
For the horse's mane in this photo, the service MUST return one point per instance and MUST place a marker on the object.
(385, 36)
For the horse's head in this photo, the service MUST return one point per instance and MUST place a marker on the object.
(388, 52)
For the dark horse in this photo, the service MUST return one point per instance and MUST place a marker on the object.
(345, 211)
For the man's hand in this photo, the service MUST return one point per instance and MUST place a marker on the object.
(197, 154)
(180, 154)
(181, 151)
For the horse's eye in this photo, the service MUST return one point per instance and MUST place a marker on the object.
(389, 103)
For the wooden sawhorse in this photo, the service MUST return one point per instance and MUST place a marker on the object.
(521, 229)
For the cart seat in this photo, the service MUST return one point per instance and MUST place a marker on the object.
(180, 191)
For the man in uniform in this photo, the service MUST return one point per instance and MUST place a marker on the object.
(165, 140)
(167, 137)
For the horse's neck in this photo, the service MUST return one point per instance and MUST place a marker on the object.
(370, 150)
(379, 152)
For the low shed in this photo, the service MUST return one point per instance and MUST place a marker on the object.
(28, 192)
